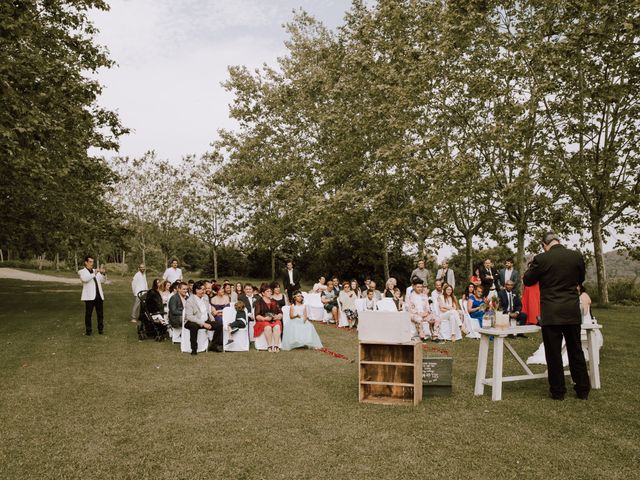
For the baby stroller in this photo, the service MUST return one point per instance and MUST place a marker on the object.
(147, 326)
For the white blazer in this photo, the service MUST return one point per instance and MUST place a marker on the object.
(89, 286)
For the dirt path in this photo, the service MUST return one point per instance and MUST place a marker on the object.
(35, 277)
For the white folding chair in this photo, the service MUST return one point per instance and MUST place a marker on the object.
(315, 309)
(185, 341)
(360, 304)
(240, 338)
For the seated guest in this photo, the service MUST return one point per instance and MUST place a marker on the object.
(240, 321)
(370, 303)
(268, 318)
(365, 287)
(176, 305)
(155, 308)
(469, 290)
(420, 312)
(511, 304)
(376, 293)
(197, 315)
(219, 302)
(249, 299)
(347, 301)
(329, 300)
(336, 285)
(435, 295)
(163, 288)
(320, 286)
(277, 295)
(300, 331)
(397, 297)
(388, 288)
(356, 288)
(476, 304)
(228, 291)
(450, 312)
(237, 291)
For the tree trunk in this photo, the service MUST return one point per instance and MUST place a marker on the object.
(385, 260)
(215, 263)
(601, 272)
(75, 260)
(57, 262)
(468, 253)
(1, 255)
(521, 230)
(273, 265)
(41, 261)
(8, 254)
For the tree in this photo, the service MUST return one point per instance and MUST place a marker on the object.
(49, 119)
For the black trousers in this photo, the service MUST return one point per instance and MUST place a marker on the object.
(89, 305)
(216, 328)
(552, 337)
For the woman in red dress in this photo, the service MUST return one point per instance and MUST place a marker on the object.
(268, 317)
(531, 303)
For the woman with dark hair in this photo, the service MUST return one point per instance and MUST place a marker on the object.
(155, 307)
(277, 295)
(219, 302)
(237, 291)
(531, 303)
(475, 279)
(355, 287)
(268, 318)
(476, 304)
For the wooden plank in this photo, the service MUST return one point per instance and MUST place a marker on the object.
(517, 357)
(392, 384)
(498, 357)
(399, 364)
(481, 370)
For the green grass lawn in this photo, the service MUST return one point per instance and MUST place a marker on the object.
(112, 407)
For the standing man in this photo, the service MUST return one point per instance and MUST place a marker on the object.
(92, 294)
(138, 284)
(291, 280)
(559, 271)
(489, 278)
(445, 275)
(173, 273)
(509, 273)
(420, 272)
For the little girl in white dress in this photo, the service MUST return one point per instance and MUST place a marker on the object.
(299, 331)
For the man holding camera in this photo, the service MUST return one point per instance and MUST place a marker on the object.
(92, 295)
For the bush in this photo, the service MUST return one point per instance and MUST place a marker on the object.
(621, 291)
(116, 268)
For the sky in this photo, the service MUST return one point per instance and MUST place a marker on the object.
(172, 55)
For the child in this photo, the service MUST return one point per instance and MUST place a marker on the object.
(239, 322)
(371, 303)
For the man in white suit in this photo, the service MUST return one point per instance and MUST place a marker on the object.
(92, 294)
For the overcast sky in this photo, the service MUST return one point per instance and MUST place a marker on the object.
(172, 56)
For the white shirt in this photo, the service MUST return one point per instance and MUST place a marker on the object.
(139, 283)
(290, 277)
(507, 274)
(203, 305)
(172, 274)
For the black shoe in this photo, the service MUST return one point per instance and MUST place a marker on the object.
(194, 353)
(557, 397)
(87, 334)
(219, 349)
(101, 332)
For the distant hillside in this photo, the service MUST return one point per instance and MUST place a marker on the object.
(618, 264)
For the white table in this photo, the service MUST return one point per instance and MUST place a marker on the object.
(500, 342)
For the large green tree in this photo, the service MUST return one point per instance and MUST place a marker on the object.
(51, 188)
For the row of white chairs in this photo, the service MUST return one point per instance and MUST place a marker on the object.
(241, 339)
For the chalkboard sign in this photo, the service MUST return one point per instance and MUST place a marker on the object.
(437, 376)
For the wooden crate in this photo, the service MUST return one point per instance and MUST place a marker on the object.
(390, 374)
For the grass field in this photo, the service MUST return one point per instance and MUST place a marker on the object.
(112, 407)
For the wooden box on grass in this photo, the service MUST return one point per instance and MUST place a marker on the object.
(390, 374)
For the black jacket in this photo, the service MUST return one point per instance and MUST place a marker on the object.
(558, 271)
(516, 302)
(286, 282)
(154, 303)
(175, 310)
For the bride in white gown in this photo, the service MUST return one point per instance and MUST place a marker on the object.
(299, 331)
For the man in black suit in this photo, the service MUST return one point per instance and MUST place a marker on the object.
(291, 280)
(489, 277)
(248, 299)
(512, 304)
(559, 271)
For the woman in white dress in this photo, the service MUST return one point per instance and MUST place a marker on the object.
(450, 313)
(300, 332)
(587, 319)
